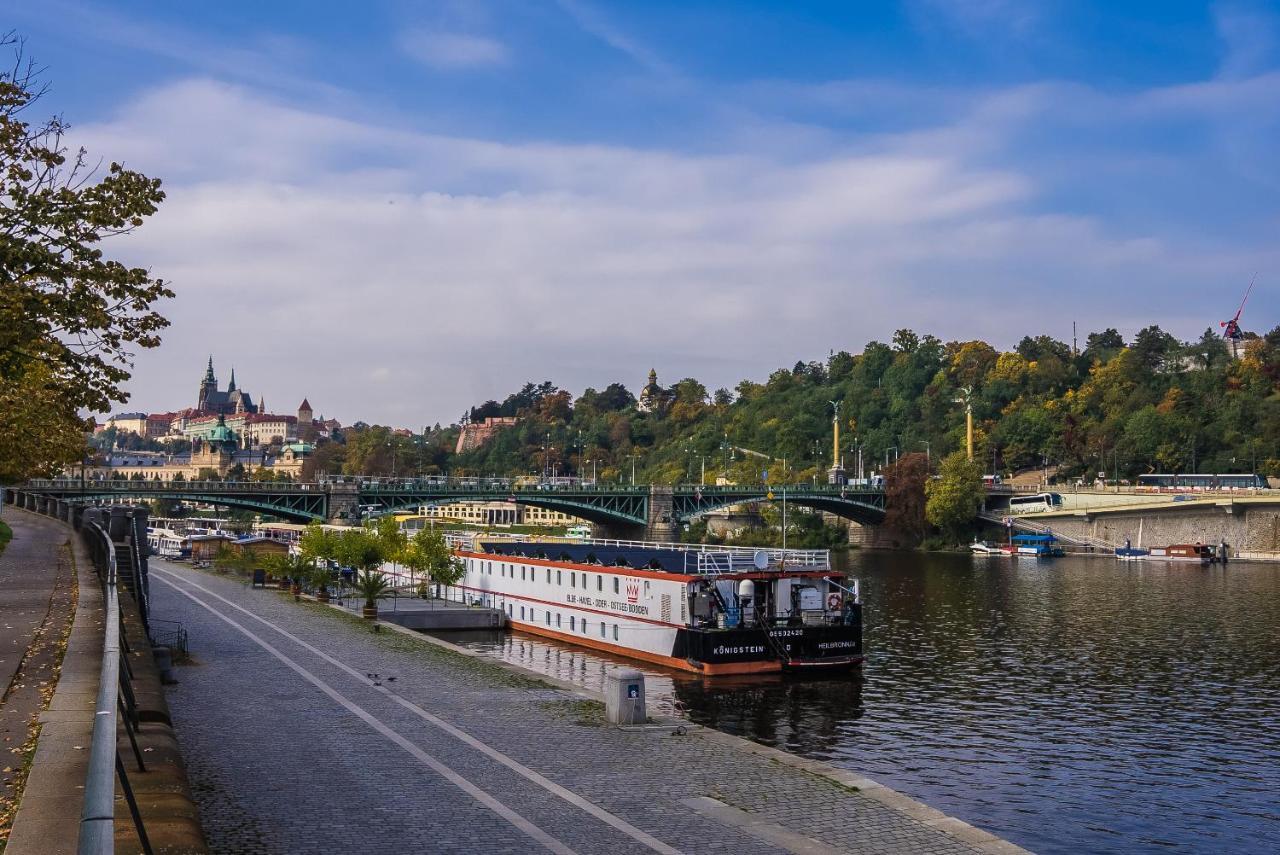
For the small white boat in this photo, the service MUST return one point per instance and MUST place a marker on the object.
(984, 547)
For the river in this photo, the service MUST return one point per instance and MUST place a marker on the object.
(1070, 705)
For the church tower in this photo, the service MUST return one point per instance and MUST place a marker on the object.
(208, 386)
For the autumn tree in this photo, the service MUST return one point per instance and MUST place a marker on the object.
(955, 496)
(904, 485)
(70, 316)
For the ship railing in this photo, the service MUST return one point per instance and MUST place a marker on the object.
(791, 557)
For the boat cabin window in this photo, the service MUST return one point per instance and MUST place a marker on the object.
(573, 580)
(548, 618)
(522, 613)
(571, 623)
(615, 584)
(615, 632)
(557, 620)
(559, 578)
(599, 582)
(602, 629)
(584, 626)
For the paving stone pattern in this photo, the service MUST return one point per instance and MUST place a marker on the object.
(279, 767)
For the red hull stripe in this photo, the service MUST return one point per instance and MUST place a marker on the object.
(645, 656)
(575, 606)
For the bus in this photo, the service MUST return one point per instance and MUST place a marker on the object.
(1169, 483)
(1035, 503)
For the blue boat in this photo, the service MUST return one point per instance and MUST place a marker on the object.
(1039, 545)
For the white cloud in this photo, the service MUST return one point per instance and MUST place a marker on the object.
(452, 51)
(399, 276)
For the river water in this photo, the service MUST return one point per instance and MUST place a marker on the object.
(1073, 705)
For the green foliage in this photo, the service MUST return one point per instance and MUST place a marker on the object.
(373, 586)
(6, 535)
(70, 316)
(428, 554)
(360, 548)
(955, 496)
(233, 560)
(318, 544)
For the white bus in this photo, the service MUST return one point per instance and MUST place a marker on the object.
(1035, 503)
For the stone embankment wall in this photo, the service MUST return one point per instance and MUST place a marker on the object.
(1248, 529)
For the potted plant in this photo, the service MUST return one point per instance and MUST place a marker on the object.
(320, 577)
(373, 585)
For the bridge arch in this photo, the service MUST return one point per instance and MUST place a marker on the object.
(566, 505)
(860, 512)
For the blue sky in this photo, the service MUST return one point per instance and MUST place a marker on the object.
(443, 200)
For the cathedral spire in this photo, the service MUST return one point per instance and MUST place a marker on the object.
(208, 374)
(231, 387)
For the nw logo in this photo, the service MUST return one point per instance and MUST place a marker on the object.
(633, 592)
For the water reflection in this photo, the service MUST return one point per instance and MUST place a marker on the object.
(1070, 705)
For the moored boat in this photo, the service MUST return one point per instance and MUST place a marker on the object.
(1199, 553)
(984, 547)
(1038, 545)
(709, 609)
(1131, 553)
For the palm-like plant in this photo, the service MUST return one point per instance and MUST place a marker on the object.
(373, 585)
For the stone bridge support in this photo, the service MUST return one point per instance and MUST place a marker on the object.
(344, 503)
(661, 524)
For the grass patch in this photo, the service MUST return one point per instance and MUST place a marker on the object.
(6, 534)
(583, 712)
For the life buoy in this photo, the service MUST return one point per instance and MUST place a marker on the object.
(833, 601)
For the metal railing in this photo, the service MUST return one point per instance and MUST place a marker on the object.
(115, 695)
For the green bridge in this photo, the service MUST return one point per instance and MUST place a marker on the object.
(654, 511)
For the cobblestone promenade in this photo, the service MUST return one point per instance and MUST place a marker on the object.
(293, 748)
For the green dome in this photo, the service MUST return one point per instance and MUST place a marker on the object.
(221, 433)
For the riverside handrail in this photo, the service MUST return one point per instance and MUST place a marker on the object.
(97, 819)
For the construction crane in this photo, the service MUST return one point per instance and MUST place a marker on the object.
(1231, 329)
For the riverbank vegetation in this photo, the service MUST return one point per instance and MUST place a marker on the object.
(1151, 403)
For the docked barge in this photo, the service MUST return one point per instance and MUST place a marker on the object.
(712, 610)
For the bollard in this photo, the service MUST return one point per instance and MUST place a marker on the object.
(624, 696)
(164, 664)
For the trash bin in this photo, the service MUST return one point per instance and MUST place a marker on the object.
(624, 696)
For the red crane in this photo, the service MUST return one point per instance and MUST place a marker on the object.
(1231, 329)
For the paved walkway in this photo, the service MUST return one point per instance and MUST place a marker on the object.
(306, 732)
(36, 604)
(28, 567)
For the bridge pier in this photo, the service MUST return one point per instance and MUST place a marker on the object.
(660, 525)
(344, 503)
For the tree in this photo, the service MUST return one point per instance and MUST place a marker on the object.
(360, 548)
(955, 496)
(318, 544)
(904, 486)
(428, 553)
(69, 315)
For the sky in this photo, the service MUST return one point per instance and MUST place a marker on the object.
(400, 210)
